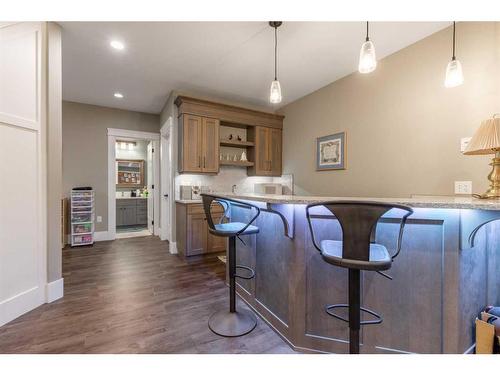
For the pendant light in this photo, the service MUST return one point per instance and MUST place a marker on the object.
(454, 75)
(275, 92)
(367, 58)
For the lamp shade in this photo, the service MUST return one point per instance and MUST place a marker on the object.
(486, 139)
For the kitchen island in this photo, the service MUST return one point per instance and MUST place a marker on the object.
(447, 271)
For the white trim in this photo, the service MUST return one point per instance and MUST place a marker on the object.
(19, 304)
(113, 135)
(156, 192)
(55, 290)
(133, 134)
(173, 247)
(101, 236)
(166, 132)
(111, 187)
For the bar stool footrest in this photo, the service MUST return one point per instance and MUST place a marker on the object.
(252, 272)
(378, 319)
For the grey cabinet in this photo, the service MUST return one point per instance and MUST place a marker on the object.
(131, 212)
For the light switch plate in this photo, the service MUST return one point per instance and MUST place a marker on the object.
(463, 187)
(464, 142)
(99, 219)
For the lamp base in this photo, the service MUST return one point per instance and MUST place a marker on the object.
(494, 177)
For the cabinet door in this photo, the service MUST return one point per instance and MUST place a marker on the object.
(196, 234)
(191, 144)
(210, 141)
(119, 216)
(129, 215)
(275, 151)
(216, 244)
(262, 163)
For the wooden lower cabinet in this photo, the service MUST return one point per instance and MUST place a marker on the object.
(193, 237)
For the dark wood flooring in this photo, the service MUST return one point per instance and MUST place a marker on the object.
(133, 296)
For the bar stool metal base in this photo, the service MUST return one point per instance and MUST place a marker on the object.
(232, 324)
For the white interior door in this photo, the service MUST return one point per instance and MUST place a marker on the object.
(166, 169)
(23, 239)
(151, 179)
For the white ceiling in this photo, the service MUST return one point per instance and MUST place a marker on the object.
(229, 60)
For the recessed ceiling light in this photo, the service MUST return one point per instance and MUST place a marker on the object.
(117, 45)
(118, 95)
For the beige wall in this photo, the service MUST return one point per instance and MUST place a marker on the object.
(403, 127)
(85, 147)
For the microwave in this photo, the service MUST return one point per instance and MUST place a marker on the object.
(268, 188)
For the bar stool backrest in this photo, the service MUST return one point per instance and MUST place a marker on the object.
(358, 219)
(208, 199)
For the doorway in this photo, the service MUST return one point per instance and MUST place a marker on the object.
(133, 183)
(134, 188)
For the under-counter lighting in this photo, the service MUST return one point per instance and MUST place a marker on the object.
(117, 45)
(367, 57)
(118, 95)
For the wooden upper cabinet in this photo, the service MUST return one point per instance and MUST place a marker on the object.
(267, 151)
(275, 152)
(199, 143)
(199, 137)
(210, 145)
(191, 138)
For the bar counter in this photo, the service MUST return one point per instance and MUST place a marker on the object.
(447, 271)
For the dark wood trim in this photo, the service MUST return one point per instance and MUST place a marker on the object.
(228, 113)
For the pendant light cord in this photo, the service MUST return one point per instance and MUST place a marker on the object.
(367, 37)
(275, 53)
(453, 57)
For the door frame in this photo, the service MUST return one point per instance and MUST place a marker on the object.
(113, 135)
(167, 175)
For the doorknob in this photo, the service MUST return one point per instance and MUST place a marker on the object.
(165, 195)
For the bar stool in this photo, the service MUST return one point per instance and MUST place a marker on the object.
(357, 252)
(232, 323)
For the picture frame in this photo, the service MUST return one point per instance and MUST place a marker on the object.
(129, 173)
(331, 152)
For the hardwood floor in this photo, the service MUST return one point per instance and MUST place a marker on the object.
(133, 296)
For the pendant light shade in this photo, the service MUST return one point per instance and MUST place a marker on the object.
(275, 91)
(367, 56)
(454, 76)
(275, 95)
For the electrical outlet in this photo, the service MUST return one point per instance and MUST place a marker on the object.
(99, 219)
(464, 142)
(463, 187)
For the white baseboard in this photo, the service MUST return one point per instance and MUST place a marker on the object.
(55, 290)
(20, 304)
(172, 247)
(101, 236)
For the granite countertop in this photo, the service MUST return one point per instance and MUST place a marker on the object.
(188, 201)
(418, 201)
(131, 197)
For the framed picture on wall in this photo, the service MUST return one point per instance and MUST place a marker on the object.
(331, 152)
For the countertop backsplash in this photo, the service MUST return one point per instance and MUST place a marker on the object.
(229, 176)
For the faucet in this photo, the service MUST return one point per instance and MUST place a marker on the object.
(233, 189)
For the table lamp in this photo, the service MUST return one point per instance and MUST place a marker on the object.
(485, 141)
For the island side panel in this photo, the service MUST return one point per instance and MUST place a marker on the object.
(293, 284)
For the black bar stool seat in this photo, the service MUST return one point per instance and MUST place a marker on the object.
(357, 252)
(379, 258)
(233, 229)
(234, 322)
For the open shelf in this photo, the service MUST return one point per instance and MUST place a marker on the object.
(236, 163)
(232, 143)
